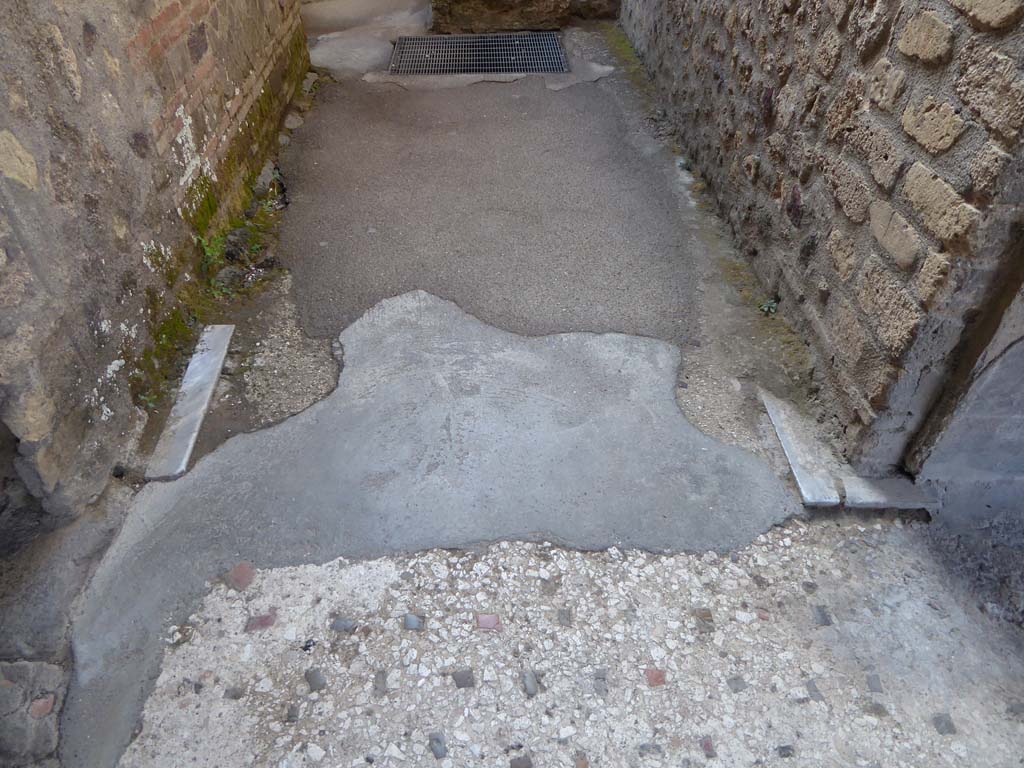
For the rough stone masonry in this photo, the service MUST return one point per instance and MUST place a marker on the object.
(864, 152)
(126, 128)
(478, 16)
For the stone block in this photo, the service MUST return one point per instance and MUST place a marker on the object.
(927, 38)
(839, 8)
(60, 62)
(944, 213)
(992, 86)
(173, 450)
(751, 167)
(933, 275)
(16, 162)
(848, 187)
(846, 330)
(986, 168)
(870, 24)
(887, 302)
(872, 143)
(810, 471)
(828, 53)
(843, 252)
(990, 14)
(886, 84)
(479, 16)
(595, 9)
(843, 107)
(31, 695)
(895, 234)
(885, 493)
(934, 125)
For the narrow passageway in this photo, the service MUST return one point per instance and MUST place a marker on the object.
(534, 210)
(502, 540)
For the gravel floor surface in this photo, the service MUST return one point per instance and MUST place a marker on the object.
(821, 644)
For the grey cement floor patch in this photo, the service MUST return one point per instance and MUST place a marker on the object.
(348, 54)
(174, 449)
(327, 16)
(528, 208)
(443, 431)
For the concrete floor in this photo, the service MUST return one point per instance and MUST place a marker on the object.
(537, 212)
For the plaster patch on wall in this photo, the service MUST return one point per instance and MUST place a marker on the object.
(190, 158)
(155, 255)
(114, 367)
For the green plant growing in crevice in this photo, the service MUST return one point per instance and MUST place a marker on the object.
(173, 336)
(148, 400)
(212, 259)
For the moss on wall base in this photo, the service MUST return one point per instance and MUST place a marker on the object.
(213, 205)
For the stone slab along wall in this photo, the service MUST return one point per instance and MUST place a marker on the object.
(862, 151)
(127, 128)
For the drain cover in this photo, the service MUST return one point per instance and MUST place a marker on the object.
(515, 54)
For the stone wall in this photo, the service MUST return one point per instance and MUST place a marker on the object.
(481, 16)
(862, 151)
(126, 128)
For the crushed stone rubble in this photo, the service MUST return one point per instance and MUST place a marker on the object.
(821, 644)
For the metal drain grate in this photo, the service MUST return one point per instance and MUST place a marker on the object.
(515, 54)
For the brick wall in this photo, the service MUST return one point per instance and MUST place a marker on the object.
(213, 60)
(862, 151)
(126, 129)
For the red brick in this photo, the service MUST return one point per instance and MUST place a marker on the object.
(655, 677)
(175, 31)
(240, 577)
(199, 11)
(42, 706)
(165, 17)
(264, 621)
(139, 44)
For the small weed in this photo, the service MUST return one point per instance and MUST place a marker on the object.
(213, 254)
(219, 291)
(148, 400)
(769, 307)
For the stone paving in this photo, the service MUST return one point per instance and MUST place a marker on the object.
(839, 643)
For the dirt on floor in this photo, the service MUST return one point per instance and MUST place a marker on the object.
(273, 369)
